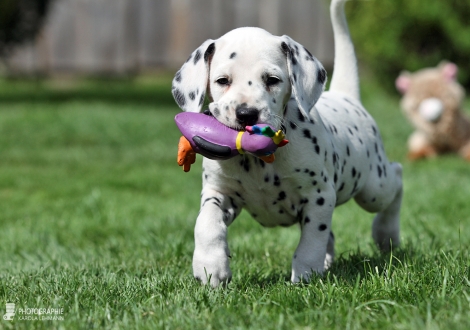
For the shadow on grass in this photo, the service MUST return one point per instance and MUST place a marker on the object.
(347, 268)
(357, 263)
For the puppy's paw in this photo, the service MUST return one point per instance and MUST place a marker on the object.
(212, 268)
(302, 272)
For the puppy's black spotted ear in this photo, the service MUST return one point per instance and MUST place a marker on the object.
(307, 75)
(190, 82)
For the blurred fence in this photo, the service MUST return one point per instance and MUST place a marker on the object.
(130, 36)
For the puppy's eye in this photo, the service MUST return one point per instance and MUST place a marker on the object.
(223, 81)
(271, 81)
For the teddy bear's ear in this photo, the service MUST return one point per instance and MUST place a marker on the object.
(449, 70)
(403, 82)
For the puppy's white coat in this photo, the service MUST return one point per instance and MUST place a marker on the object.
(335, 151)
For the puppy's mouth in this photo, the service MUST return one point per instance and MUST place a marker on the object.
(207, 112)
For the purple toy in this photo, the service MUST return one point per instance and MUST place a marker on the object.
(210, 138)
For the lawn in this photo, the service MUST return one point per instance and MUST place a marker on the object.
(97, 220)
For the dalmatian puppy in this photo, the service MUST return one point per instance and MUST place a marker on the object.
(335, 151)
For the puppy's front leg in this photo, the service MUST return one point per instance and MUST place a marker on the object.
(211, 253)
(310, 254)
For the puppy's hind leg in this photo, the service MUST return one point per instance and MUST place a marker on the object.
(383, 194)
(386, 225)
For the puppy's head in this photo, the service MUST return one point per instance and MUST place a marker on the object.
(249, 75)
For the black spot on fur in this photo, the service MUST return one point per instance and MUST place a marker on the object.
(179, 97)
(292, 125)
(285, 49)
(320, 201)
(317, 149)
(322, 227)
(307, 133)
(249, 83)
(353, 172)
(306, 220)
(293, 59)
(347, 150)
(354, 188)
(379, 171)
(309, 54)
(233, 55)
(210, 50)
(321, 77)
(245, 163)
(201, 100)
(266, 178)
(178, 76)
(341, 187)
(282, 196)
(216, 201)
(296, 49)
(312, 173)
(216, 112)
(192, 96)
(300, 115)
(277, 182)
(197, 56)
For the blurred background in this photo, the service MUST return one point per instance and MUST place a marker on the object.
(130, 37)
(127, 37)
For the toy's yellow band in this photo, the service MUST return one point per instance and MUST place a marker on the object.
(278, 137)
(238, 142)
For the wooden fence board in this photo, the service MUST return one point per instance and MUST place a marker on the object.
(122, 36)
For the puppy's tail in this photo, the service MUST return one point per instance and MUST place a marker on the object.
(345, 77)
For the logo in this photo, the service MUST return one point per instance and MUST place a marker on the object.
(10, 307)
(33, 314)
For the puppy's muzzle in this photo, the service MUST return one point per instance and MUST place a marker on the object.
(247, 116)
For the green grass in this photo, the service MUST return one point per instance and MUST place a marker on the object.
(96, 218)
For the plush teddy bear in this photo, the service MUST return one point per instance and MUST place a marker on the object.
(432, 100)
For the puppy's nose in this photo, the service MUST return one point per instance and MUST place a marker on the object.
(247, 116)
